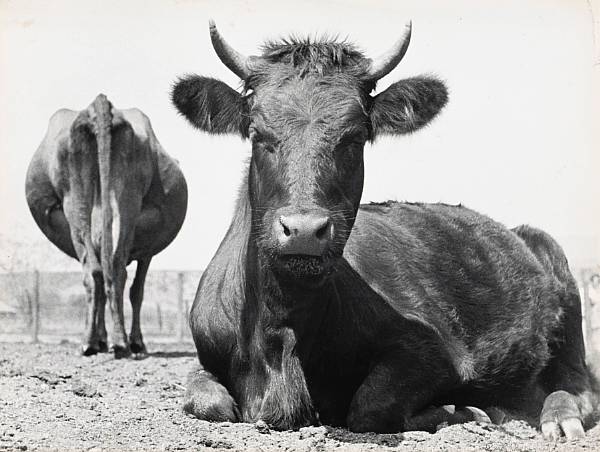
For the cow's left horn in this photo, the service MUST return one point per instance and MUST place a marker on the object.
(383, 65)
(239, 64)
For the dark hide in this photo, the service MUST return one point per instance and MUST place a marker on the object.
(210, 105)
(407, 305)
(407, 105)
(404, 107)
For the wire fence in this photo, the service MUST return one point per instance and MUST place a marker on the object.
(51, 306)
(589, 288)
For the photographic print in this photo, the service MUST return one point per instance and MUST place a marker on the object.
(299, 225)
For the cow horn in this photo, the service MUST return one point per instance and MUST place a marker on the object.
(383, 65)
(235, 61)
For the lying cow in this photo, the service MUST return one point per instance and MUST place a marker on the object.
(103, 190)
(318, 308)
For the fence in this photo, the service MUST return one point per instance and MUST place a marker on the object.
(589, 288)
(52, 305)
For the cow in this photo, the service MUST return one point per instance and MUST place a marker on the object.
(103, 190)
(376, 317)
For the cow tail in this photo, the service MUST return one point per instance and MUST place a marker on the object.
(102, 125)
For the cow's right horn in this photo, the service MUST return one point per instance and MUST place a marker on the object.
(383, 65)
(239, 64)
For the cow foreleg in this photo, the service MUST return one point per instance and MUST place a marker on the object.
(136, 295)
(207, 399)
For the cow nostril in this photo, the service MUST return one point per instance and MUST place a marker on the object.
(322, 231)
(286, 230)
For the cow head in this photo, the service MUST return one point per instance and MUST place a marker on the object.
(307, 109)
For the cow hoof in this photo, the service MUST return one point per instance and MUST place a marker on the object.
(477, 414)
(561, 416)
(496, 415)
(121, 351)
(90, 350)
(211, 407)
(208, 400)
(138, 348)
(102, 347)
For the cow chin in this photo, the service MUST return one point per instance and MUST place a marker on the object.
(302, 270)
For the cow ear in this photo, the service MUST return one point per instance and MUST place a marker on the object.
(210, 105)
(407, 105)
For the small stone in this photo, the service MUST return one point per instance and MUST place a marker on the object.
(262, 427)
(83, 389)
(308, 432)
(441, 426)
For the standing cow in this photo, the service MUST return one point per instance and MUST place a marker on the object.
(318, 308)
(103, 190)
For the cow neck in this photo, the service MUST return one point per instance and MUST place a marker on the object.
(282, 304)
(273, 344)
(274, 305)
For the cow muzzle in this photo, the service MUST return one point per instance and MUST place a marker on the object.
(303, 240)
(307, 234)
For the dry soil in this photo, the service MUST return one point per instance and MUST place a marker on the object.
(51, 398)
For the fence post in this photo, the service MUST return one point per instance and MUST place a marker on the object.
(181, 314)
(35, 309)
(159, 318)
(587, 310)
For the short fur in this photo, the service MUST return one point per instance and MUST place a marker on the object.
(408, 304)
(103, 190)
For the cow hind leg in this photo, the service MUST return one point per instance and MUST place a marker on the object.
(114, 284)
(100, 322)
(431, 419)
(207, 399)
(136, 295)
(571, 388)
(94, 285)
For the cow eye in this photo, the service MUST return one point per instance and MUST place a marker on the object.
(348, 152)
(262, 142)
(264, 146)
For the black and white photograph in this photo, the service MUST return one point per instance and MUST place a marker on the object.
(300, 225)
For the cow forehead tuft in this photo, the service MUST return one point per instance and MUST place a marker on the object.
(303, 56)
(316, 54)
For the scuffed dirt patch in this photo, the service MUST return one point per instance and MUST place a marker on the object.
(51, 398)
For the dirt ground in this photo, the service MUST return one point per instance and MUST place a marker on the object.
(51, 398)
